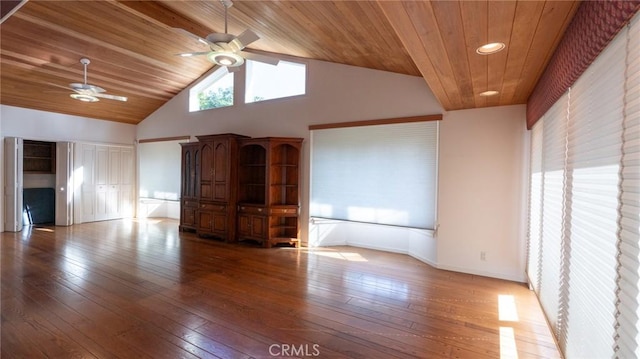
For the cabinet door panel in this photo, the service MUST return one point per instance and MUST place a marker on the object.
(188, 216)
(205, 219)
(258, 226)
(102, 202)
(219, 222)
(114, 166)
(206, 163)
(205, 190)
(244, 225)
(221, 171)
(206, 171)
(102, 165)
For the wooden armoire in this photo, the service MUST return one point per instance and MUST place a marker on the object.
(240, 188)
(209, 191)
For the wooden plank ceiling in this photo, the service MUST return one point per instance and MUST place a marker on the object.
(132, 46)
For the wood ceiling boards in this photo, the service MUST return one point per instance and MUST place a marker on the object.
(132, 47)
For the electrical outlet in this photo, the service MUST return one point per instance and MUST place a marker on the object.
(483, 256)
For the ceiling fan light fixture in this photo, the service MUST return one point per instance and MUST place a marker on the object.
(490, 48)
(225, 59)
(84, 98)
(489, 93)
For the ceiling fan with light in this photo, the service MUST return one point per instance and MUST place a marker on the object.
(226, 49)
(89, 93)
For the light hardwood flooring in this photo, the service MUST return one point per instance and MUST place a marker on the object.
(141, 289)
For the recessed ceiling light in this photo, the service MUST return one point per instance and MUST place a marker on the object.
(489, 93)
(491, 48)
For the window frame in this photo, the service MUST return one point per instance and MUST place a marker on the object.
(295, 62)
(209, 80)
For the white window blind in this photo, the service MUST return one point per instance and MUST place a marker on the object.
(627, 344)
(160, 169)
(383, 174)
(535, 206)
(585, 230)
(593, 159)
(553, 161)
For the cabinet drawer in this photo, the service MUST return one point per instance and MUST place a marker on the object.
(190, 204)
(213, 207)
(251, 209)
(280, 211)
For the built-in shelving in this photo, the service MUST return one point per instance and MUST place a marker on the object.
(39, 156)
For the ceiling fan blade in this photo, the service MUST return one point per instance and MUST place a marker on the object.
(233, 68)
(244, 39)
(60, 86)
(199, 39)
(110, 97)
(189, 54)
(86, 87)
(202, 41)
(260, 58)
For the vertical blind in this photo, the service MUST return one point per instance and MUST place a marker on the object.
(160, 169)
(627, 344)
(382, 174)
(584, 210)
(553, 166)
(535, 207)
(593, 159)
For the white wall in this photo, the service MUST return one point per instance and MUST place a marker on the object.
(335, 93)
(482, 179)
(48, 126)
(54, 127)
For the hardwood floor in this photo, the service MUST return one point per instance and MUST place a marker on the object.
(131, 289)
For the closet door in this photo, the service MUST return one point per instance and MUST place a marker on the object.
(64, 184)
(113, 183)
(127, 184)
(13, 184)
(88, 187)
(107, 182)
(102, 182)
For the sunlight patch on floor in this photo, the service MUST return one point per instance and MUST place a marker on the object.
(508, 343)
(507, 311)
(347, 256)
(147, 220)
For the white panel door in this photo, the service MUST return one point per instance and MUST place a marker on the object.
(127, 178)
(113, 187)
(107, 183)
(87, 161)
(102, 182)
(13, 184)
(64, 184)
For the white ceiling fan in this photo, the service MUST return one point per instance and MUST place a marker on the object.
(226, 49)
(90, 93)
